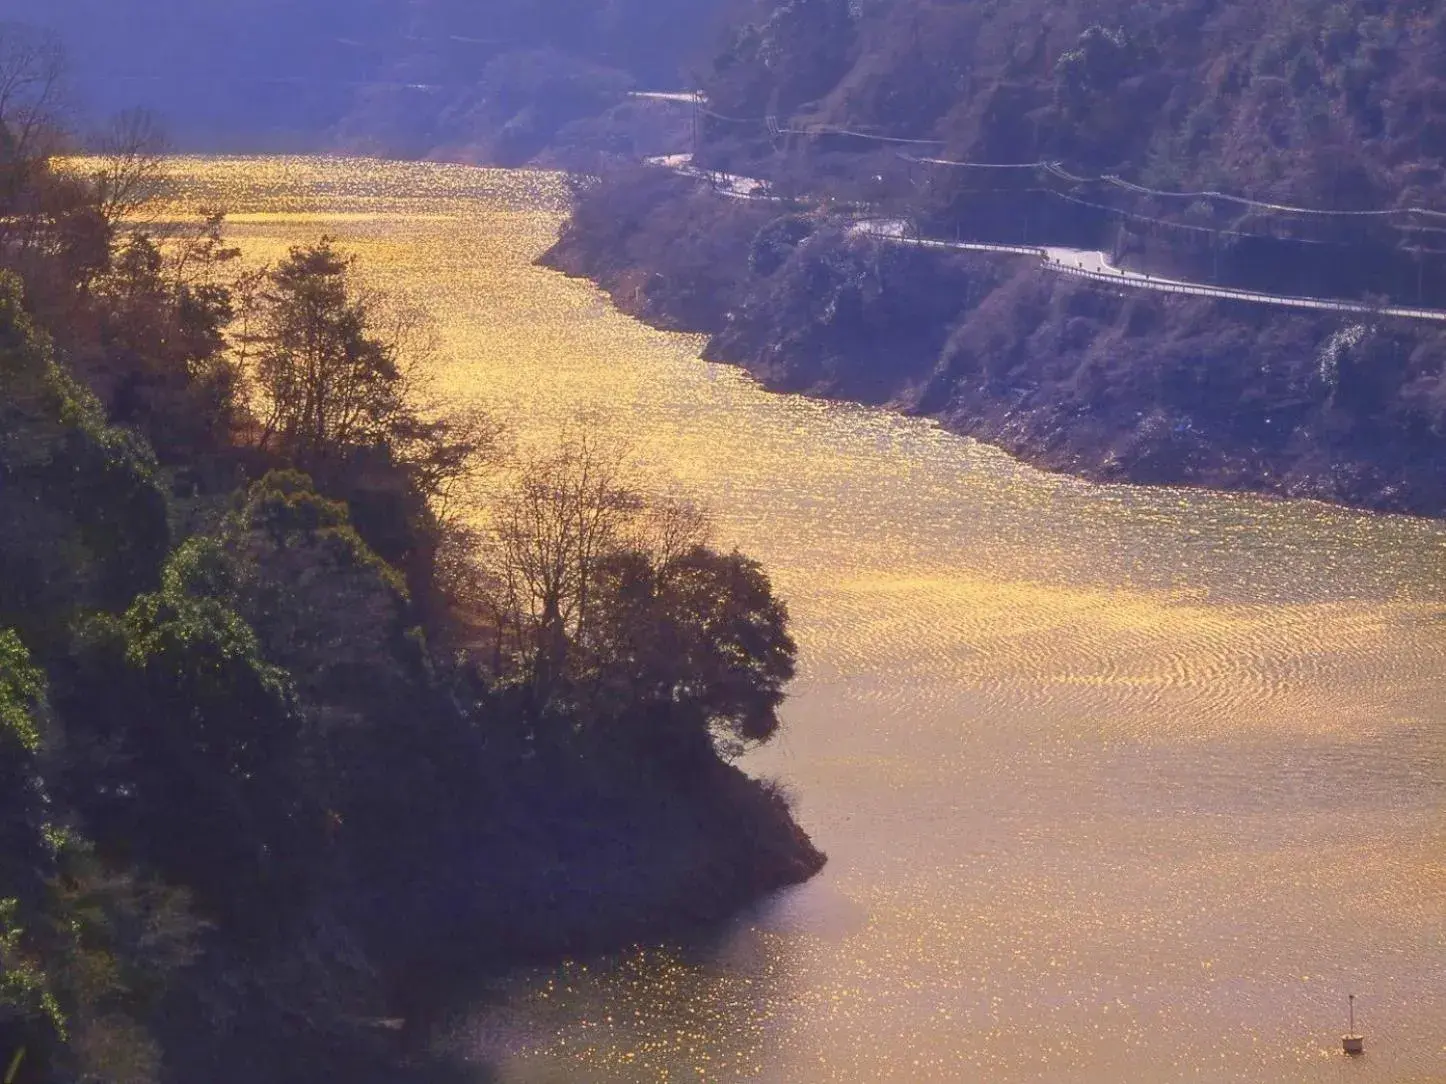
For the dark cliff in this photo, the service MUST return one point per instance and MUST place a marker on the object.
(1106, 383)
(1288, 147)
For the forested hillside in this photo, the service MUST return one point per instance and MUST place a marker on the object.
(1331, 105)
(1292, 148)
(1332, 102)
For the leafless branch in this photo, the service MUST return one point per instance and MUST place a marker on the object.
(131, 154)
(32, 67)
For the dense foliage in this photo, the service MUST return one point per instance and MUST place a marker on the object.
(285, 748)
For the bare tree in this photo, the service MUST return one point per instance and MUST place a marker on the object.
(670, 529)
(615, 609)
(567, 513)
(197, 251)
(131, 154)
(444, 451)
(32, 66)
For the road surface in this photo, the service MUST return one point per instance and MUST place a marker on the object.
(681, 97)
(728, 184)
(1079, 262)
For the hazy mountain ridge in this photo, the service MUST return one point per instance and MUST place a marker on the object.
(406, 78)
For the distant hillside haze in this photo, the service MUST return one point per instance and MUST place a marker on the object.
(280, 75)
(241, 75)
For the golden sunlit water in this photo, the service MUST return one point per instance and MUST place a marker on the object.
(1118, 785)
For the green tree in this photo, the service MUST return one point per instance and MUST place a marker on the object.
(691, 649)
(24, 804)
(167, 369)
(82, 518)
(184, 743)
(331, 381)
(85, 954)
(31, 1017)
(323, 604)
(611, 610)
(342, 397)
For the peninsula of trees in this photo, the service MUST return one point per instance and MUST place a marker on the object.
(287, 748)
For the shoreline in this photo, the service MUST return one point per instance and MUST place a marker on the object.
(1064, 375)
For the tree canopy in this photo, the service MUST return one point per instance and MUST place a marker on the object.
(266, 753)
(611, 607)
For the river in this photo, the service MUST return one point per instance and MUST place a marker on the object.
(1118, 784)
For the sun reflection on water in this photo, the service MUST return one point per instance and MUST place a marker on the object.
(1118, 784)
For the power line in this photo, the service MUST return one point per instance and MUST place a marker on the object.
(1120, 182)
(827, 129)
(1057, 168)
(973, 165)
(731, 120)
(1054, 169)
(1185, 225)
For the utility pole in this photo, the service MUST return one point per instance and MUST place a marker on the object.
(697, 123)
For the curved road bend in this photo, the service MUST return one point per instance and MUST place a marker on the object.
(1085, 263)
(1082, 263)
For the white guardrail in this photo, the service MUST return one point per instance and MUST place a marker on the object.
(1076, 262)
(1080, 263)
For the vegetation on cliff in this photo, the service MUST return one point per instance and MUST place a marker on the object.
(1331, 103)
(285, 747)
(1321, 107)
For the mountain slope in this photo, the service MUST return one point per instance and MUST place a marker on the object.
(275, 75)
(1216, 141)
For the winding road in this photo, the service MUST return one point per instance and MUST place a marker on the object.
(681, 97)
(731, 185)
(1078, 262)
(1094, 265)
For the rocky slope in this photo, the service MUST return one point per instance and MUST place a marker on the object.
(1123, 386)
(1291, 146)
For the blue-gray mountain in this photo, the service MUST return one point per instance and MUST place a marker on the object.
(403, 77)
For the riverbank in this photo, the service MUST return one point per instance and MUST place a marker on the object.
(313, 774)
(1119, 386)
(1062, 743)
